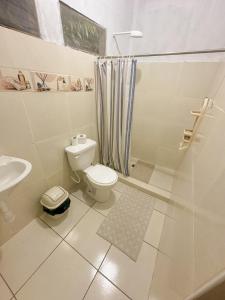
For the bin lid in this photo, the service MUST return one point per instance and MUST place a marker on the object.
(54, 197)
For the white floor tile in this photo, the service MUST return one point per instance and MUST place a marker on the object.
(85, 239)
(161, 206)
(154, 230)
(65, 275)
(134, 278)
(161, 179)
(83, 196)
(102, 289)
(5, 293)
(62, 224)
(105, 207)
(21, 255)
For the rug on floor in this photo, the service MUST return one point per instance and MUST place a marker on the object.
(126, 224)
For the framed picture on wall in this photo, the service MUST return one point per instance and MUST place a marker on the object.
(20, 15)
(82, 33)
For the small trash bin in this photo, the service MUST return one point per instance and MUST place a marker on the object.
(55, 201)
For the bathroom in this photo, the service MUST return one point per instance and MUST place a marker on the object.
(148, 225)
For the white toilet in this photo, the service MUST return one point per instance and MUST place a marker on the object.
(100, 179)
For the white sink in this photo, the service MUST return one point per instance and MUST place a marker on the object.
(12, 171)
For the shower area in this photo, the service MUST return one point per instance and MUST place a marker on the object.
(147, 113)
(165, 94)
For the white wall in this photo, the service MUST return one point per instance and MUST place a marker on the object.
(176, 25)
(168, 25)
(111, 14)
(164, 96)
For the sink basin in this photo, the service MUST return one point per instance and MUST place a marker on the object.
(12, 171)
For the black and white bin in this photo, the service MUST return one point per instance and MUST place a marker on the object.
(55, 201)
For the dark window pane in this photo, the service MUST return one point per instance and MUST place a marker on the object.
(20, 15)
(82, 33)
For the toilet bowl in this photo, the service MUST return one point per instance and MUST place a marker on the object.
(99, 179)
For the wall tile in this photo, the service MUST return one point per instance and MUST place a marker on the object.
(196, 78)
(164, 96)
(37, 126)
(81, 109)
(152, 78)
(47, 114)
(52, 154)
(23, 201)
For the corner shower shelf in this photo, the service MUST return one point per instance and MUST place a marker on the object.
(189, 134)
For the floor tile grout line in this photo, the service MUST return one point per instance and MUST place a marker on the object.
(75, 196)
(105, 256)
(150, 245)
(81, 218)
(44, 259)
(89, 208)
(163, 213)
(51, 228)
(35, 271)
(74, 249)
(153, 273)
(14, 293)
(99, 212)
(100, 272)
(7, 285)
(62, 240)
(89, 286)
(157, 249)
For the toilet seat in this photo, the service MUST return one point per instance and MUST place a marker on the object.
(101, 175)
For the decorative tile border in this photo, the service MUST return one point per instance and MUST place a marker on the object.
(24, 80)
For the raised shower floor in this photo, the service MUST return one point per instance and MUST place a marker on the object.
(153, 175)
(153, 180)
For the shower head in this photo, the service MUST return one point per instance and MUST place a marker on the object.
(136, 34)
(132, 33)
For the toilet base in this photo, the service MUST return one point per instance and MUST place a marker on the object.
(100, 195)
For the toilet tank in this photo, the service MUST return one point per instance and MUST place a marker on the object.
(81, 156)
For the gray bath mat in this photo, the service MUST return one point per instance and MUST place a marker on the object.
(126, 224)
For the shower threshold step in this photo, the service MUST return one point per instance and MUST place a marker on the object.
(145, 187)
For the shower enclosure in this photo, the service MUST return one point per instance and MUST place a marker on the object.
(166, 90)
(165, 94)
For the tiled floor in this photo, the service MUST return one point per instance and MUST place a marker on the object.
(64, 258)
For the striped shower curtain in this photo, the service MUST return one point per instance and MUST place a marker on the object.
(115, 85)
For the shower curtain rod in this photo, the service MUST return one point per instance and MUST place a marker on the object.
(163, 54)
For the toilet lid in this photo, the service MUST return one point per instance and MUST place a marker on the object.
(101, 174)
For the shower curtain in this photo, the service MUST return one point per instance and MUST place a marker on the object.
(115, 85)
